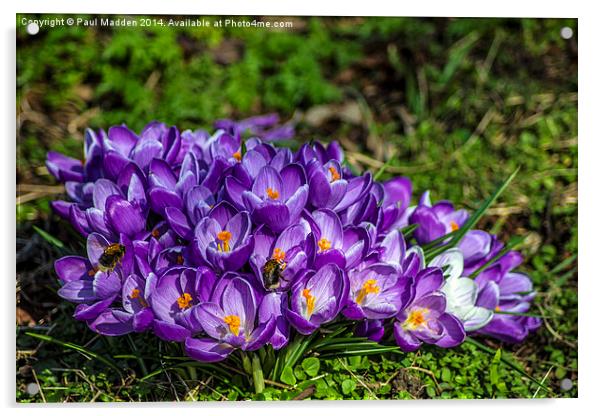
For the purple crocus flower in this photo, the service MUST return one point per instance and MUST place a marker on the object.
(377, 291)
(507, 293)
(230, 319)
(478, 247)
(343, 247)
(223, 239)
(276, 199)
(329, 189)
(316, 151)
(425, 319)
(91, 282)
(122, 146)
(435, 221)
(317, 297)
(174, 297)
(135, 314)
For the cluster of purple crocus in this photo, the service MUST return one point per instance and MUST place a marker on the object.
(224, 243)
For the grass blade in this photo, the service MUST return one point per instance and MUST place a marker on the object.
(77, 348)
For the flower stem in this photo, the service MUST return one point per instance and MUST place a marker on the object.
(258, 380)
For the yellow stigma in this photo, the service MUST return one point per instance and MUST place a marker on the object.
(454, 226)
(224, 237)
(155, 233)
(272, 193)
(233, 322)
(310, 300)
(368, 287)
(498, 309)
(334, 175)
(237, 156)
(185, 301)
(324, 244)
(416, 318)
(180, 259)
(279, 255)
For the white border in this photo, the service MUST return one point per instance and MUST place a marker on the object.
(589, 35)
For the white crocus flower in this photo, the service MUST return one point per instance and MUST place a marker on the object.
(461, 292)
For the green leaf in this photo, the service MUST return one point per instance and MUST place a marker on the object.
(347, 386)
(50, 239)
(445, 374)
(493, 373)
(311, 366)
(288, 376)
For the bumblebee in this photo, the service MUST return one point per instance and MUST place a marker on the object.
(272, 273)
(111, 256)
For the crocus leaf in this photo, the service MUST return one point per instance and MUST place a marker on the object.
(52, 240)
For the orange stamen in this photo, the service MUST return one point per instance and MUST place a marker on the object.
(185, 301)
(454, 226)
(324, 244)
(272, 193)
(310, 300)
(334, 174)
(368, 287)
(233, 322)
(416, 318)
(225, 237)
(237, 156)
(279, 255)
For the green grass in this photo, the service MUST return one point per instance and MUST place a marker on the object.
(456, 104)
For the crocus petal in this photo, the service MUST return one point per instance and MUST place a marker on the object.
(406, 341)
(108, 324)
(454, 332)
(207, 350)
(70, 268)
(145, 151)
(78, 291)
(296, 203)
(124, 217)
(161, 198)
(489, 296)
(85, 312)
(178, 222)
(274, 215)
(293, 177)
(161, 175)
(451, 261)
(169, 331)
(122, 139)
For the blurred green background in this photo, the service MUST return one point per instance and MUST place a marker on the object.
(456, 104)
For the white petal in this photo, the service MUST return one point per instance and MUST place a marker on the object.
(454, 261)
(477, 318)
(460, 291)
